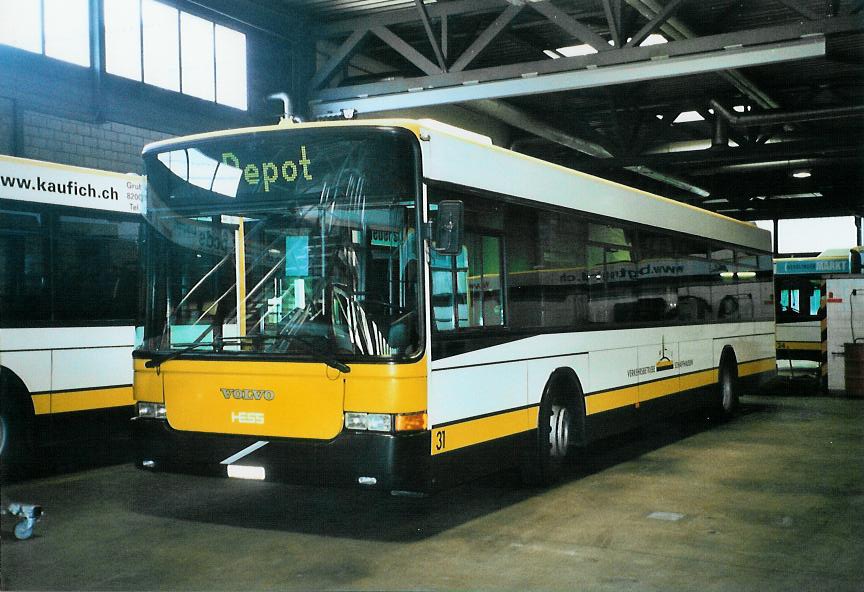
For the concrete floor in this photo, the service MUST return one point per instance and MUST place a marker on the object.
(773, 500)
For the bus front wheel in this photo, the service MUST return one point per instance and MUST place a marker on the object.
(554, 440)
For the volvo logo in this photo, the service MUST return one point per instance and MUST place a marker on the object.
(248, 394)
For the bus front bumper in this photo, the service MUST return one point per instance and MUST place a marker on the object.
(391, 462)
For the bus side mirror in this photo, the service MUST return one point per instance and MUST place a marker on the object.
(448, 228)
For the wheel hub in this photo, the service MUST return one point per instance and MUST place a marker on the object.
(559, 432)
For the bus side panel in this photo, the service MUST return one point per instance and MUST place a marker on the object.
(755, 352)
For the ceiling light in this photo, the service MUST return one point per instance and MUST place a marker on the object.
(688, 116)
(576, 50)
(653, 39)
(801, 174)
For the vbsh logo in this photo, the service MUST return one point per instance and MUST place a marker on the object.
(248, 394)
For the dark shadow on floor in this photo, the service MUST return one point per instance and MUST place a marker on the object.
(380, 516)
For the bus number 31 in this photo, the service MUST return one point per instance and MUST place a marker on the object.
(440, 440)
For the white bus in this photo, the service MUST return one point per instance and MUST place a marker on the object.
(401, 305)
(69, 276)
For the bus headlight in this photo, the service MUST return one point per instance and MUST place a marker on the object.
(373, 422)
(151, 410)
(386, 422)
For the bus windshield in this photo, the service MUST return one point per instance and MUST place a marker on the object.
(299, 243)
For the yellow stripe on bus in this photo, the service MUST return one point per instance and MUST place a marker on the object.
(632, 395)
(466, 433)
(41, 404)
(611, 400)
(65, 402)
(699, 379)
(766, 365)
(800, 345)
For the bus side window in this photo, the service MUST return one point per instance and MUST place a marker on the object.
(485, 306)
(99, 265)
(449, 298)
(24, 282)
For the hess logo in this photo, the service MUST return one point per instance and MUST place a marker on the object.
(247, 417)
(248, 394)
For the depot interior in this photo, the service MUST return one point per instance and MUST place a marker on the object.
(753, 110)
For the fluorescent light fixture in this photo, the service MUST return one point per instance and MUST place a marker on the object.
(802, 174)
(654, 39)
(246, 472)
(688, 116)
(572, 51)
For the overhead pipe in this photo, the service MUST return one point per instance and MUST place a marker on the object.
(785, 116)
(287, 114)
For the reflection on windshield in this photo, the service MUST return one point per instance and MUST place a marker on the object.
(325, 266)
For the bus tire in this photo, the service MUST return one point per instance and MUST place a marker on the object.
(16, 428)
(726, 403)
(559, 428)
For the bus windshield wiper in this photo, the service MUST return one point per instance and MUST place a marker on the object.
(311, 348)
(157, 361)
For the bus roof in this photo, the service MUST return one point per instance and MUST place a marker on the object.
(451, 155)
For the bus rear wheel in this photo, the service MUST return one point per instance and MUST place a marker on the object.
(727, 390)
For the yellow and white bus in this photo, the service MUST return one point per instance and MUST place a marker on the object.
(400, 305)
(816, 299)
(69, 277)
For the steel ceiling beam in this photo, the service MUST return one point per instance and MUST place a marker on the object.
(679, 31)
(404, 49)
(572, 26)
(613, 18)
(800, 9)
(338, 59)
(408, 15)
(684, 47)
(655, 23)
(427, 25)
(486, 37)
(709, 61)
